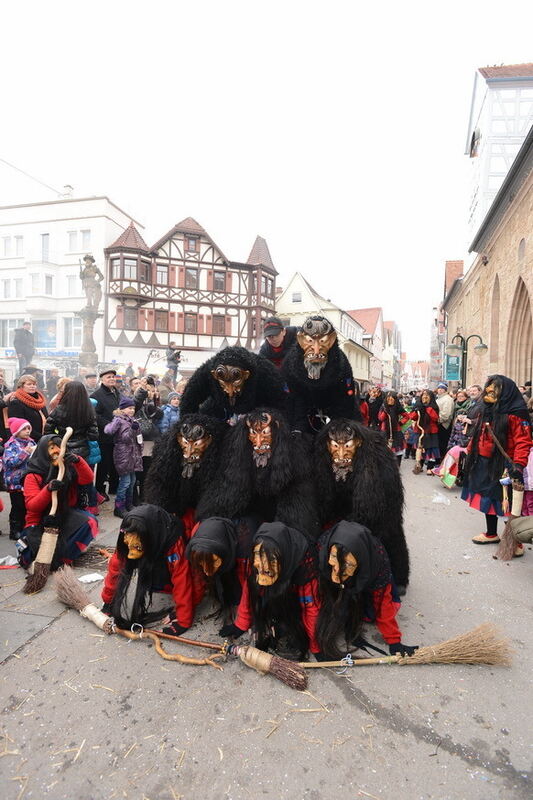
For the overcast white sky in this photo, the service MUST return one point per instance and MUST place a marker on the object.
(334, 130)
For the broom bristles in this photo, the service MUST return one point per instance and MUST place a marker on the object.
(37, 581)
(69, 590)
(288, 672)
(481, 645)
(507, 545)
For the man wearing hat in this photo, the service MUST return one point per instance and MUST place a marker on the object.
(107, 401)
(446, 411)
(278, 340)
(90, 382)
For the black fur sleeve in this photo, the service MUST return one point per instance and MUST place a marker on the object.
(197, 390)
(270, 386)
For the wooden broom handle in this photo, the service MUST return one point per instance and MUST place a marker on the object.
(61, 467)
(356, 662)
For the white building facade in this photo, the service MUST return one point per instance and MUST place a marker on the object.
(41, 247)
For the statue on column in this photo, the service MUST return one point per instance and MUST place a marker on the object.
(91, 279)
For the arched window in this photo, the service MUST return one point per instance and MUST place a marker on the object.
(519, 355)
(521, 249)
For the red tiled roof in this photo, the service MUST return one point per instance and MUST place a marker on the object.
(367, 317)
(260, 254)
(132, 239)
(508, 71)
(189, 225)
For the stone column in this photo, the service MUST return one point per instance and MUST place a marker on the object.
(88, 355)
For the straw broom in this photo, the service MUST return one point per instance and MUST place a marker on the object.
(506, 548)
(481, 645)
(71, 593)
(41, 566)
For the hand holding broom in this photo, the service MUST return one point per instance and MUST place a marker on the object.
(41, 566)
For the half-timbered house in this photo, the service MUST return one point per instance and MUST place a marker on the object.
(184, 289)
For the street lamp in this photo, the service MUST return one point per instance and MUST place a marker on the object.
(462, 348)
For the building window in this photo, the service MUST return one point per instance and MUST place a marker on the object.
(219, 325)
(161, 320)
(6, 289)
(191, 278)
(45, 246)
(115, 269)
(190, 244)
(19, 246)
(219, 281)
(161, 275)
(19, 287)
(72, 332)
(72, 241)
(263, 285)
(7, 246)
(48, 284)
(7, 331)
(130, 319)
(270, 287)
(85, 240)
(296, 297)
(35, 282)
(254, 284)
(130, 269)
(72, 285)
(145, 272)
(190, 323)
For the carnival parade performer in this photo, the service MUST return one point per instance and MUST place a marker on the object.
(355, 584)
(501, 442)
(391, 418)
(77, 528)
(148, 578)
(426, 416)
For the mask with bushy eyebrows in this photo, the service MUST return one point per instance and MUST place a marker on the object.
(194, 441)
(342, 446)
(260, 436)
(316, 339)
(231, 380)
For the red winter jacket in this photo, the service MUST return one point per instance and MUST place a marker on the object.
(518, 443)
(38, 499)
(383, 418)
(309, 607)
(386, 610)
(180, 586)
(432, 426)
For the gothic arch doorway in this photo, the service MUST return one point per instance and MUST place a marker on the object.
(519, 355)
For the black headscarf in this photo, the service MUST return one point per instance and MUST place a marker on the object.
(158, 532)
(216, 535)
(510, 401)
(39, 462)
(421, 408)
(288, 542)
(358, 540)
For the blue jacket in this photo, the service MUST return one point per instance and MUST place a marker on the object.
(14, 460)
(171, 415)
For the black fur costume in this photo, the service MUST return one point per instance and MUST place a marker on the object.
(280, 491)
(165, 485)
(263, 387)
(371, 494)
(332, 394)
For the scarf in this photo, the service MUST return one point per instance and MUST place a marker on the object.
(34, 400)
(371, 562)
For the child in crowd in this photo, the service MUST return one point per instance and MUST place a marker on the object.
(412, 436)
(127, 453)
(171, 412)
(16, 453)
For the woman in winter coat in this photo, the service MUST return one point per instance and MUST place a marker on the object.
(76, 411)
(27, 402)
(127, 453)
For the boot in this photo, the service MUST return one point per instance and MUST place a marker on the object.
(119, 510)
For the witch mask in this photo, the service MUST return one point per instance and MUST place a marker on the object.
(316, 339)
(260, 436)
(492, 392)
(342, 447)
(231, 380)
(266, 570)
(134, 545)
(343, 569)
(194, 441)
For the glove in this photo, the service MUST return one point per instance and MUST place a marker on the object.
(71, 458)
(320, 657)
(230, 631)
(517, 472)
(55, 485)
(174, 628)
(400, 649)
(106, 608)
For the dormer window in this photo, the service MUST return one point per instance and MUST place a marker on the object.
(191, 244)
(296, 297)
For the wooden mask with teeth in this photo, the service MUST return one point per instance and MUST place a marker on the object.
(316, 339)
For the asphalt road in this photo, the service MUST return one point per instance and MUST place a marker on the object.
(88, 717)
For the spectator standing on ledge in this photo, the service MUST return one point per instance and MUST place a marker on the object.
(51, 383)
(24, 345)
(278, 340)
(108, 398)
(173, 356)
